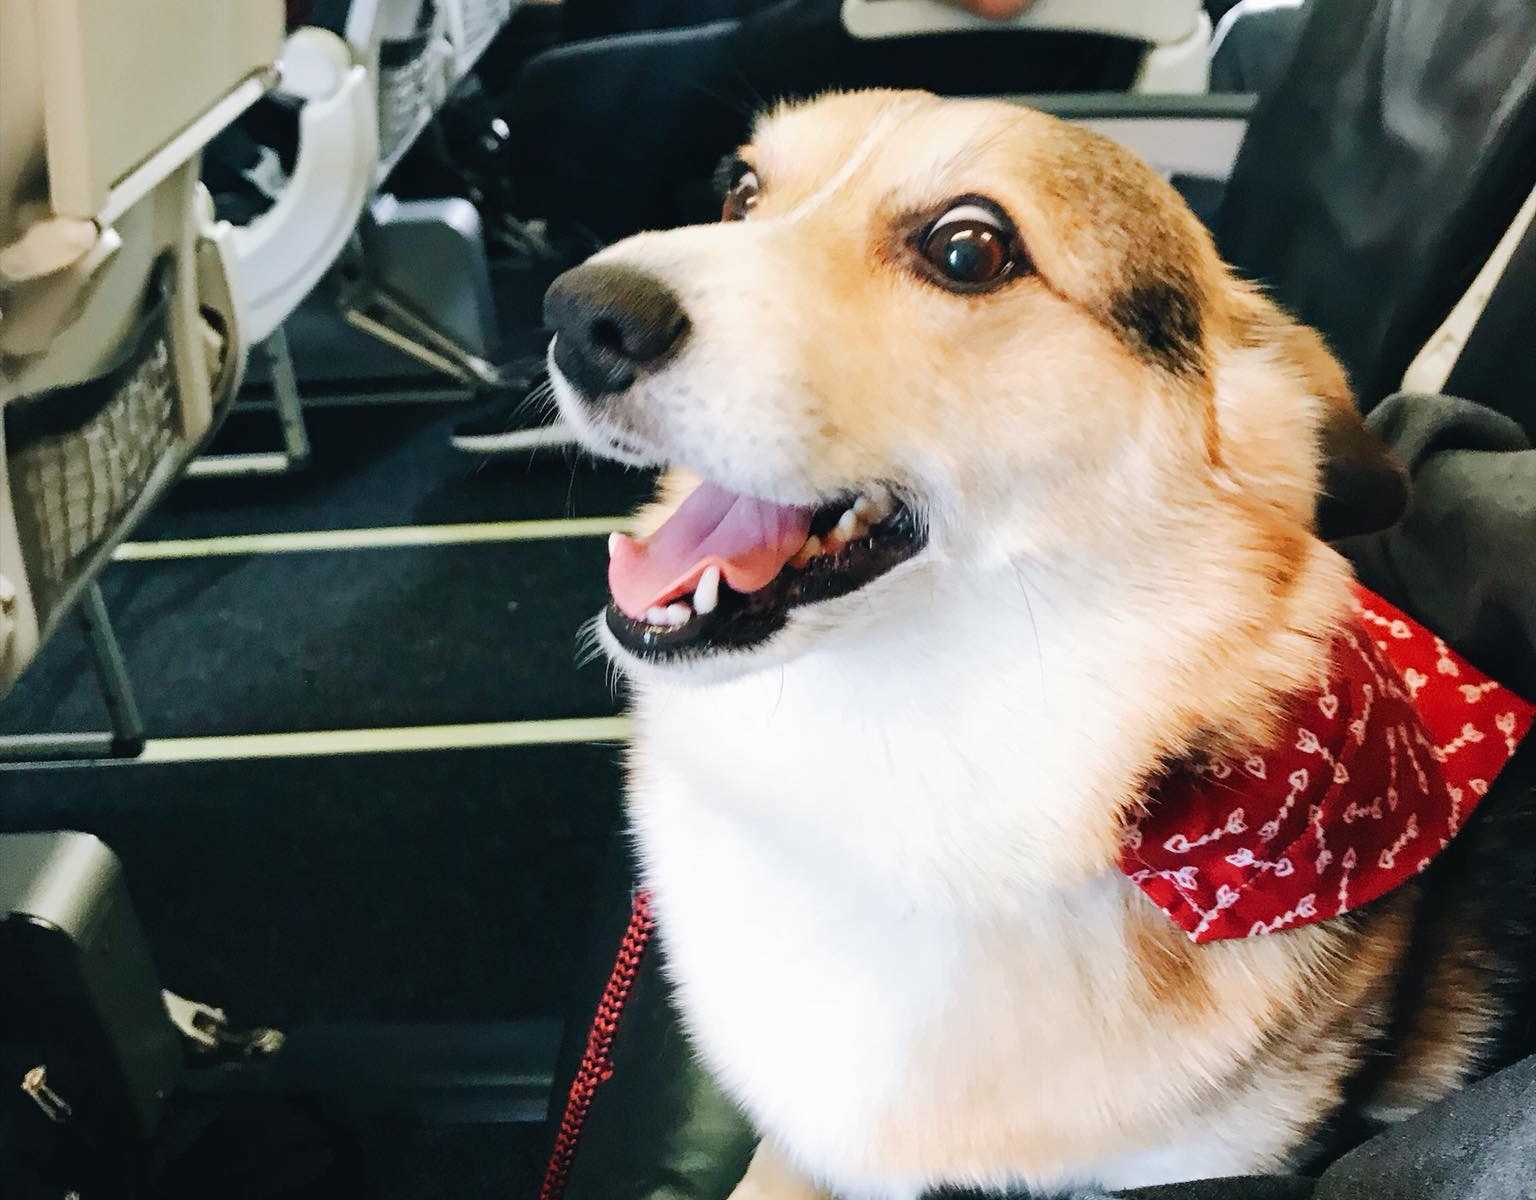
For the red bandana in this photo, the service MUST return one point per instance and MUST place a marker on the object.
(1377, 771)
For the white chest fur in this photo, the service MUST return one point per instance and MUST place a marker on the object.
(880, 876)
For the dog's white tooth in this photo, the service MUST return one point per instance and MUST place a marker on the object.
(849, 526)
(707, 594)
(657, 616)
(678, 614)
(613, 542)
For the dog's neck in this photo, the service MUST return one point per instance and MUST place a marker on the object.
(982, 734)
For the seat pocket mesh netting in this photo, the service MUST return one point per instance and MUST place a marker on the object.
(79, 458)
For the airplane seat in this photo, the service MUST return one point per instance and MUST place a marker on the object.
(122, 320)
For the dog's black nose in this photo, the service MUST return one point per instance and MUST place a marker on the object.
(609, 322)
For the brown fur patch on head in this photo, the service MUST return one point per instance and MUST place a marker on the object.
(1139, 259)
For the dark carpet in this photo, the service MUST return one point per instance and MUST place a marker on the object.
(401, 887)
(339, 640)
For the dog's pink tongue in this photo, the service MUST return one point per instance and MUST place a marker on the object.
(749, 540)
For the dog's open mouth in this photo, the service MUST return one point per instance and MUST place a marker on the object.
(725, 570)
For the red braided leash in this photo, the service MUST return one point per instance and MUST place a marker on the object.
(596, 1065)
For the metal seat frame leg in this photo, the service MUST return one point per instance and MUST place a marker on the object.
(294, 456)
(125, 738)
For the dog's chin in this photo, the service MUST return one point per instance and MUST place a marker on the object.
(700, 669)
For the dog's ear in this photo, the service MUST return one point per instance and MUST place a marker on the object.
(1364, 486)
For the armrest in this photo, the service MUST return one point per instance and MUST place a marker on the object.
(1177, 33)
(284, 252)
(1155, 22)
(1177, 134)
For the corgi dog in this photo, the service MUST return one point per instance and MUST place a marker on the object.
(990, 492)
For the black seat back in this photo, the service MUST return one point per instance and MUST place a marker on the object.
(1380, 173)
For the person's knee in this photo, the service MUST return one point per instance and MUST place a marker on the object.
(993, 10)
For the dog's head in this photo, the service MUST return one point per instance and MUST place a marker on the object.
(926, 336)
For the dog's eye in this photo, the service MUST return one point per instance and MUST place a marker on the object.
(969, 247)
(741, 196)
